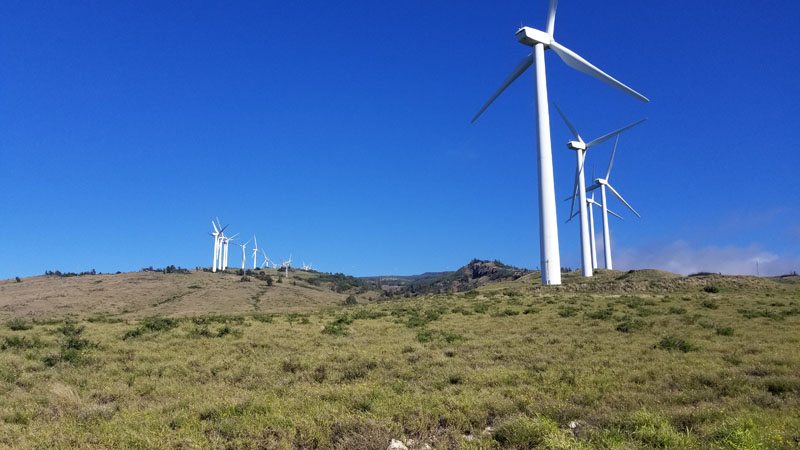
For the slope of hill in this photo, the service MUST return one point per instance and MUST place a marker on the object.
(152, 293)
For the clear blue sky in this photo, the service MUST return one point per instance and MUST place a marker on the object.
(339, 132)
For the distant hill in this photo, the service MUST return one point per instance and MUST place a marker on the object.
(176, 292)
(475, 274)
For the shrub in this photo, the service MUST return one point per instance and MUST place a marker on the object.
(18, 325)
(244, 279)
(337, 327)
(269, 280)
(20, 342)
(675, 343)
(264, 318)
(158, 324)
(677, 310)
(18, 279)
(600, 314)
(710, 304)
(567, 311)
(725, 331)
(136, 332)
(628, 325)
(711, 289)
(320, 374)
(524, 432)
(351, 300)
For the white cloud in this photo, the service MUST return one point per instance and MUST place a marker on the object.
(680, 257)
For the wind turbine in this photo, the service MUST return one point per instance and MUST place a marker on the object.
(215, 234)
(581, 148)
(227, 245)
(255, 251)
(287, 264)
(602, 184)
(244, 254)
(218, 232)
(541, 41)
(306, 267)
(591, 204)
(266, 260)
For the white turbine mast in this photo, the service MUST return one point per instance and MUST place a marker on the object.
(602, 184)
(255, 251)
(580, 147)
(218, 233)
(227, 245)
(541, 41)
(244, 254)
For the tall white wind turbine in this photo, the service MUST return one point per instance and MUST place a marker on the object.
(602, 184)
(255, 251)
(215, 234)
(580, 147)
(541, 41)
(218, 233)
(227, 245)
(244, 254)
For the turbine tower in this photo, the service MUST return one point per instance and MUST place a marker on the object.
(217, 234)
(602, 184)
(541, 41)
(226, 247)
(580, 147)
(255, 251)
(244, 254)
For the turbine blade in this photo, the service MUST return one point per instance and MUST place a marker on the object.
(572, 216)
(575, 61)
(608, 136)
(592, 187)
(614, 214)
(569, 124)
(216, 230)
(611, 161)
(519, 70)
(614, 191)
(551, 17)
(575, 189)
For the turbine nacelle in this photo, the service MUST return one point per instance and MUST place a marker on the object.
(531, 36)
(576, 145)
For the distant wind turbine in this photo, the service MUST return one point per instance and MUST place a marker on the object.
(591, 204)
(255, 251)
(579, 188)
(244, 254)
(541, 41)
(602, 184)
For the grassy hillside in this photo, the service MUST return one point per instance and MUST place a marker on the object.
(626, 360)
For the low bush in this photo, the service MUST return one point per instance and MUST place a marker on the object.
(711, 289)
(18, 324)
(725, 331)
(628, 325)
(671, 343)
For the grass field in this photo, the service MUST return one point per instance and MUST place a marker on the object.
(641, 360)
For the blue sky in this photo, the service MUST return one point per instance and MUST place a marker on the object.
(339, 132)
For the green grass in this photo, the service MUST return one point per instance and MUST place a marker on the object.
(510, 368)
